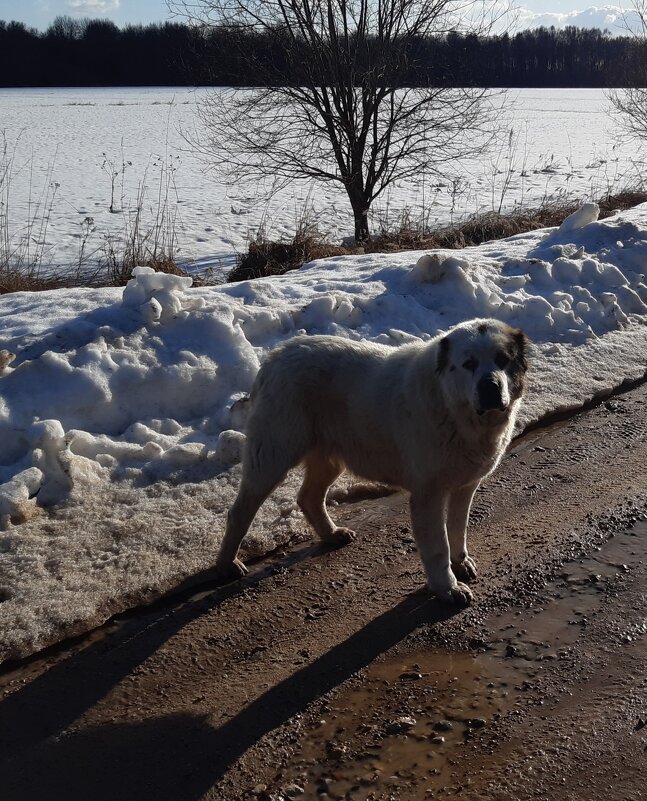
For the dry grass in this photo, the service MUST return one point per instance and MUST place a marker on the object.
(626, 199)
(25, 256)
(120, 272)
(107, 275)
(265, 257)
(17, 281)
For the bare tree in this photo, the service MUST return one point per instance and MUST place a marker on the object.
(65, 27)
(630, 104)
(335, 106)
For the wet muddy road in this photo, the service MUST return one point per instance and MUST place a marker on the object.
(331, 675)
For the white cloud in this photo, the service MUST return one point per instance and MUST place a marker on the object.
(618, 21)
(93, 7)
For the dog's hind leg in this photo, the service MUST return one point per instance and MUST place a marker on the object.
(265, 465)
(239, 519)
(428, 518)
(458, 512)
(321, 471)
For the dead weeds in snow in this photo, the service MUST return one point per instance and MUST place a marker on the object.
(266, 257)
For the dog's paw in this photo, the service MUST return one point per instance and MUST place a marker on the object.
(465, 570)
(340, 536)
(231, 571)
(460, 595)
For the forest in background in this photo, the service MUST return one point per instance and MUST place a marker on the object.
(96, 52)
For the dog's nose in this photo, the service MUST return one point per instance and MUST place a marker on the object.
(489, 394)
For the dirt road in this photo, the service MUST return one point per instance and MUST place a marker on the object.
(330, 675)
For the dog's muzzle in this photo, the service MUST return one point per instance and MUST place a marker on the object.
(491, 396)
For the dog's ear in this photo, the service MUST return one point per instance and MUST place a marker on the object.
(520, 348)
(443, 355)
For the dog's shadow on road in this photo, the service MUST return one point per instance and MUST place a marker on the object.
(176, 757)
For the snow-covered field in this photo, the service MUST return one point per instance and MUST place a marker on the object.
(70, 146)
(119, 435)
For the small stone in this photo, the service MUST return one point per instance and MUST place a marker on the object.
(476, 723)
(443, 725)
(437, 739)
(410, 675)
(514, 651)
(336, 750)
(293, 791)
(400, 725)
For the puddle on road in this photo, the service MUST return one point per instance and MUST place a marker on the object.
(439, 701)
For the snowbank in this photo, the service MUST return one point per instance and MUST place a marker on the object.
(120, 427)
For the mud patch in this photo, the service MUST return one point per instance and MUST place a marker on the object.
(439, 700)
(404, 728)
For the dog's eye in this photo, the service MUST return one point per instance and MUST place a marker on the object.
(501, 360)
(470, 364)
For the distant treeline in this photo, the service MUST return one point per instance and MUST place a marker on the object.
(97, 53)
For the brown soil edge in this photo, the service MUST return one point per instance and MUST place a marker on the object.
(566, 412)
(172, 594)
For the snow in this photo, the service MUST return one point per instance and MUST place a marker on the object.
(122, 412)
(555, 141)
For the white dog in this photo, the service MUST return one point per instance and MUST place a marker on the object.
(433, 418)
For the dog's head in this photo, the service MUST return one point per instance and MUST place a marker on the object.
(483, 364)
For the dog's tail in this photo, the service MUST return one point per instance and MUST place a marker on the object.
(239, 412)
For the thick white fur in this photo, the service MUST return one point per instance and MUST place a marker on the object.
(406, 416)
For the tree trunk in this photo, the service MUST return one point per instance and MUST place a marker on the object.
(362, 233)
(360, 206)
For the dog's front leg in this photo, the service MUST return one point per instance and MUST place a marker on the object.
(428, 518)
(458, 513)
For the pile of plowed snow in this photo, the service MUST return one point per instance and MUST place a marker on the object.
(119, 432)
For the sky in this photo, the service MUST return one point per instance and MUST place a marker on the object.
(40, 13)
